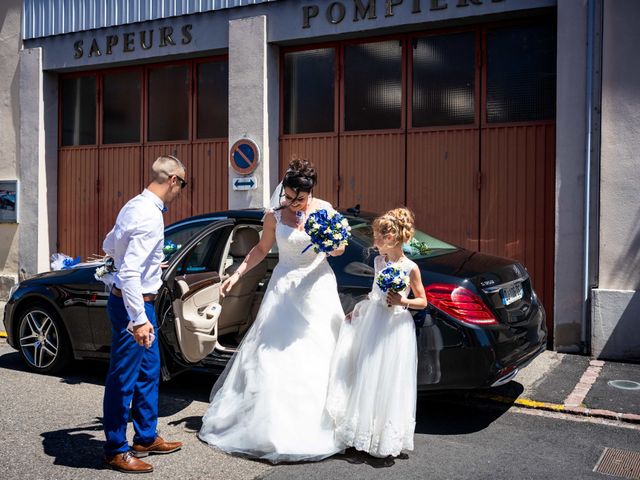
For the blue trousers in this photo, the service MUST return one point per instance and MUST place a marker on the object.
(132, 382)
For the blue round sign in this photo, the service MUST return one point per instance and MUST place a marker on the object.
(244, 156)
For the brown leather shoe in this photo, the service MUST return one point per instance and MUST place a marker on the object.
(127, 463)
(159, 445)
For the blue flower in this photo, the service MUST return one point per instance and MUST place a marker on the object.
(170, 248)
(392, 278)
(327, 230)
(70, 262)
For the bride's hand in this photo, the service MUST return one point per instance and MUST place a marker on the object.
(338, 251)
(229, 283)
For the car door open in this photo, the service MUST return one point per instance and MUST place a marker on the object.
(194, 280)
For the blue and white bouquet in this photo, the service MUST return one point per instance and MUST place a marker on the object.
(328, 230)
(392, 278)
(60, 261)
(170, 248)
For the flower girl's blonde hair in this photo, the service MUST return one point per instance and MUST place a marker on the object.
(398, 222)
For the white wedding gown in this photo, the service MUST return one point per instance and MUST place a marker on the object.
(270, 401)
(372, 391)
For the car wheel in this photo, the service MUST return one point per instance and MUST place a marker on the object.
(42, 340)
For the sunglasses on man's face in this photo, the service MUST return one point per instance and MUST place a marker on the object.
(183, 182)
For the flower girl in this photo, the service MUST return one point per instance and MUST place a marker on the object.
(372, 391)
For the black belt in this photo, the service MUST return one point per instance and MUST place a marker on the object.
(147, 297)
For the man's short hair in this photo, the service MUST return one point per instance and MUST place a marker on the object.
(164, 167)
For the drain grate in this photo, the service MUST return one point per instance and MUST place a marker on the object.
(621, 463)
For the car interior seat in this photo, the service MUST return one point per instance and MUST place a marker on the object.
(237, 304)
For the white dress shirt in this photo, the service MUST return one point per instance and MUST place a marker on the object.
(136, 243)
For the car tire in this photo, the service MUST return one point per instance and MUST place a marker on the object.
(42, 340)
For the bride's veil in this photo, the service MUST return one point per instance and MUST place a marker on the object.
(276, 197)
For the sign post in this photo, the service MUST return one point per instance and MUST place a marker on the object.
(244, 156)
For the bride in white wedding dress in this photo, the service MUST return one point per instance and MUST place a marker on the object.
(270, 401)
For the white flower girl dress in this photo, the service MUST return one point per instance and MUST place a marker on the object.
(372, 388)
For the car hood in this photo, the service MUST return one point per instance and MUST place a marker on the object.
(60, 274)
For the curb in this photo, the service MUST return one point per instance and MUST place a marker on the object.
(3, 334)
(557, 407)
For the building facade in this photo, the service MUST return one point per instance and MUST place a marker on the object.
(506, 125)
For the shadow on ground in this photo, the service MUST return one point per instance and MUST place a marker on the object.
(456, 413)
(77, 372)
(77, 447)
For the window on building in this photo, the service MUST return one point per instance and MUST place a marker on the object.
(213, 99)
(521, 73)
(373, 85)
(168, 108)
(78, 111)
(309, 89)
(443, 90)
(121, 107)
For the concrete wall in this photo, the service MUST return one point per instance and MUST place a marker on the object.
(253, 65)
(37, 166)
(10, 43)
(570, 154)
(616, 306)
(620, 169)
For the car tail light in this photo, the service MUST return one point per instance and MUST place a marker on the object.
(460, 303)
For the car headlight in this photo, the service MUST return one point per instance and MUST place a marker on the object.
(13, 289)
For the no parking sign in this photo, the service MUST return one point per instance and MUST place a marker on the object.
(244, 156)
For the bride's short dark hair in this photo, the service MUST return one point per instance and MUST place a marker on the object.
(300, 176)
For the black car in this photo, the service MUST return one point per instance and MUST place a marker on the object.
(482, 324)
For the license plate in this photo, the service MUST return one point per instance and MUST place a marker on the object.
(511, 294)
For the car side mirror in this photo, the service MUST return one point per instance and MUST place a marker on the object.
(359, 269)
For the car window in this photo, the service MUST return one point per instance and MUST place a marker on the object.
(421, 245)
(202, 257)
(175, 238)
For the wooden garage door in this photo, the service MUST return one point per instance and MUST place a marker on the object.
(115, 123)
(459, 125)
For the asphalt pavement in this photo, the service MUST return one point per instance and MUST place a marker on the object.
(571, 384)
(51, 428)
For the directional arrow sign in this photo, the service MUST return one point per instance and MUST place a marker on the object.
(245, 183)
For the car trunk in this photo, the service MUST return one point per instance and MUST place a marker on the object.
(505, 287)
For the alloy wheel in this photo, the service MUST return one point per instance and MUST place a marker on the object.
(39, 339)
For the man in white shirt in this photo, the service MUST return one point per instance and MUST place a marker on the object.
(136, 243)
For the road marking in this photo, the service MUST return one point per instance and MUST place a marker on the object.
(3, 334)
(579, 410)
(575, 418)
(523, 402)
(580, 391)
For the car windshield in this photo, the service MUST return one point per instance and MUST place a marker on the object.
(420, 246)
